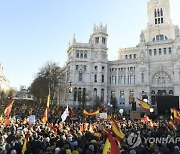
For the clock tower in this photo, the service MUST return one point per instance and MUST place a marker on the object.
(159, 25)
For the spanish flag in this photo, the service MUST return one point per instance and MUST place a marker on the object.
(144, 105)
(7, 121)
(45, 116)
(172, 125)
(8, 108)
(176, 116)
(110, 146)
(117, 131)
(91, 113)
(24, 148)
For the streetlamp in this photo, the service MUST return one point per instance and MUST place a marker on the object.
(151, 112)
(121, 111)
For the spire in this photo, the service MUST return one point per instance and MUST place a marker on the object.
(74, 39)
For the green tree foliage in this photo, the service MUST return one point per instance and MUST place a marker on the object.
(46, 79)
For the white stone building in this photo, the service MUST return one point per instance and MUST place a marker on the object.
(4, 83)
(151, 68)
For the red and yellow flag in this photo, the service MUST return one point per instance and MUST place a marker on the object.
(8, 108)
(24, 148)
(110, 146)
(176, 116)
(91, 113)
(116, 130)
(144, 105)
(172, 125)
(45, 116)
(7, 121)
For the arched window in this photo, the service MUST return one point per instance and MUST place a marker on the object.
(85, 55)
(81, 55)
(77, 54)
(95, 92)
(160, 37)
(150, 52)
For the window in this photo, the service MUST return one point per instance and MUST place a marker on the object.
(155, 13)
(131, 79)
(134, 79)
(158, 13)
(102, 68)
(81, 55)
(102, 94)
(159, 51)
(160, 37)
(95, 67)
(80, 76)
(102, 78)
(124, 79)
(121, 80)
(95, 78)
(134, 56)
(130, 56)
(150, 52)
(85, 55)
(155, 53)
(164, 51)
(142, 77)
(126, 57)
(169, 50)
(162, 20)
(103, 40)
(85, 67)
(77, 67)
(161, 80)
(122, 99)
(77, 55)
(95, 92)
(161, 12)
(113, 80)
(97, 39)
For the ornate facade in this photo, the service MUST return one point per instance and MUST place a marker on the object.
(151, 68)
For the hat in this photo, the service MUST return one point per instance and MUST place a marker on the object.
(91, 147)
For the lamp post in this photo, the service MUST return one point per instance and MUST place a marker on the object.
(151, 113)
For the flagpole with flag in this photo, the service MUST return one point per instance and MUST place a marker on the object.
(45, 116)
(65, 114)
(144, 105)
(7, 110)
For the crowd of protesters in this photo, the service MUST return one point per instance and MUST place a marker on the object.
(55, 137)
